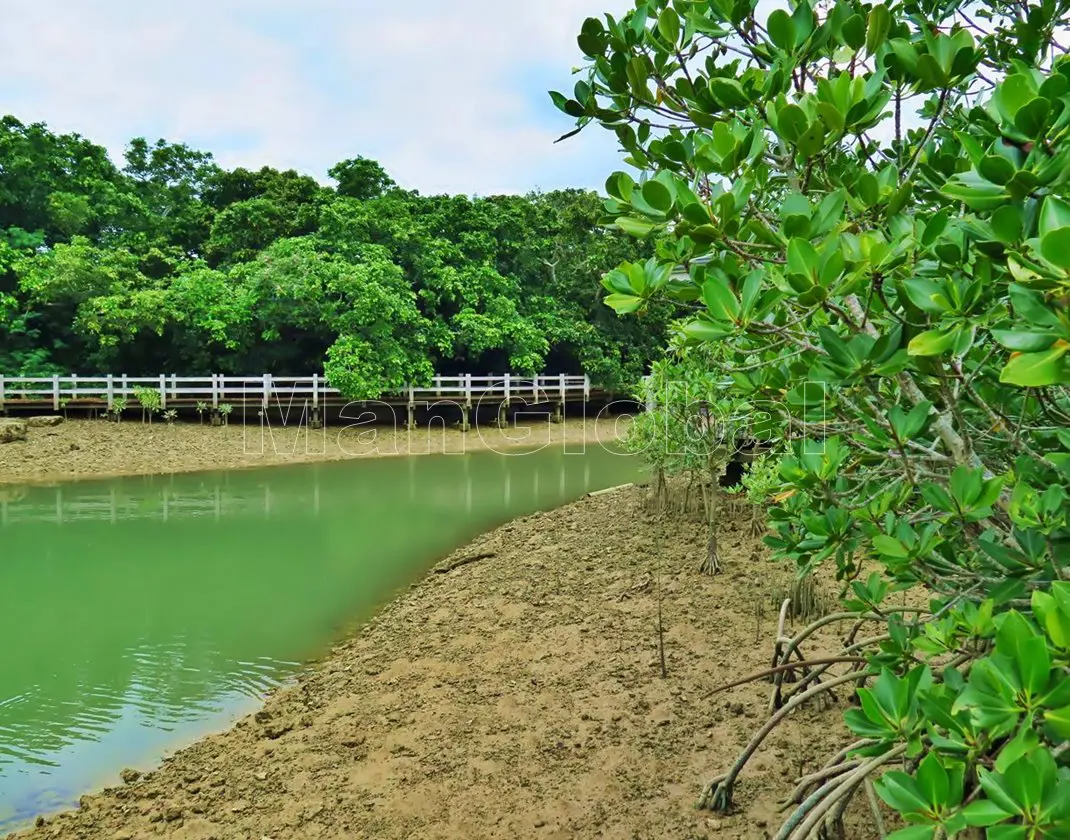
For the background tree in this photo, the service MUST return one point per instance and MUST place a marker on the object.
(361, 178)
(174, 263)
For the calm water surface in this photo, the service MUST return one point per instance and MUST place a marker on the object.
(139, 613)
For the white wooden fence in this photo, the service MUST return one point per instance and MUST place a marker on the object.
(217, 389)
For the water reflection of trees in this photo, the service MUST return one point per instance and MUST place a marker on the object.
(175, 497)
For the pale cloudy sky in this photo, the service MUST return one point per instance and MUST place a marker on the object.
(448, 96)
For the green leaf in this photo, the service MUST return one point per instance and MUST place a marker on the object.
(1024, 741)
(1036, 370)
(591, 38)
(751, 289)
(1055, 247)
(880, 22)
(720, 300)
(1032, 117)
(1055, 620)
(836, 347)
(696, 213)
(1013, 92)
(620, 186)
(975, 192)
(705, 331)
(623, 304)
(890, 547)
(1024, 341)
(1007, 224)
(1059, 721)
(984, 812)
(1054, 215)
(901, 792)
(782, 30)
(802, 258)
(933, 781)
(997, 169)
(791, 122)
(639, 228)
(728, 93)
(932, 342)
(812, 140)
(669, 26)
(854, 31)
(657, 195)
(1031, 306)
(935, 226)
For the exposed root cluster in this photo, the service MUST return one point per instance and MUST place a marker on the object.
(816, 806)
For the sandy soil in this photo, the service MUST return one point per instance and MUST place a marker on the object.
(96, 449)
(519, 696)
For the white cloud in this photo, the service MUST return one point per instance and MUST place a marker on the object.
(449, 97)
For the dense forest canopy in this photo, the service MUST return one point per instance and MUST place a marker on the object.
(175, 264)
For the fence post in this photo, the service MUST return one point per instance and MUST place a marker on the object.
(507, 389)
(267, 390)
(111, 390)
(124, 394)
(535, 388)
(1, 393)
(55, 392)
(163, 391)
(74, 387)
(174, 386)
(586, 387)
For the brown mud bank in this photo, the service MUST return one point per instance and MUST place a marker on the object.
(516, 696)
(97, 449)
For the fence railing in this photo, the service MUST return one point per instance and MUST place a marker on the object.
(217, 389)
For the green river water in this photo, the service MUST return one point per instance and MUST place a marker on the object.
(140, 613)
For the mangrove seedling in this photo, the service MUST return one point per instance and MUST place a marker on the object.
(202, 407)
(225, 410)
(170, 416)
(118, 406)
(150, 400)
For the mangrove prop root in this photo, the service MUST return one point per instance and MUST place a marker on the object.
(808, 818)
(848, 651)
(711, 563)
(799, 813)
(834, 820)
(818, 777)
(462, 561)
(832, 618)
(780, 669)
(717, 795)
(841, 756)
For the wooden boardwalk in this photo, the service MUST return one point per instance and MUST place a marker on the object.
(208, 393)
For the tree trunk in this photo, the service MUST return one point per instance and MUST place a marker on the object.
(758, 525)
(660, 491)
(711, 564)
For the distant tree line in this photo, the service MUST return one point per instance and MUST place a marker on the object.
(175, 264)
